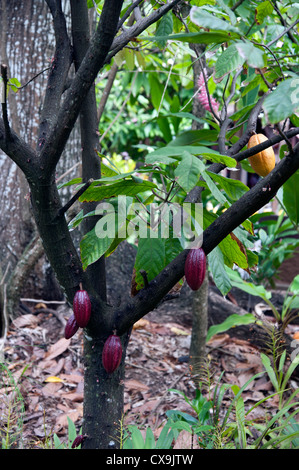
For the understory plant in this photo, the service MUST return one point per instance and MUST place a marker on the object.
(277, 241)
(12, 409)
(216, 425)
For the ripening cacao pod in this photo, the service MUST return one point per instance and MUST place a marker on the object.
(263, 162)
(195, 268)
(71, 327)
(78, 440)
(82, 308)
(112, 353)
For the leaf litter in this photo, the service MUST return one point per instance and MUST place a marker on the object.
(47, 371)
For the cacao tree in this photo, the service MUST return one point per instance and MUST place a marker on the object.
(180, 167)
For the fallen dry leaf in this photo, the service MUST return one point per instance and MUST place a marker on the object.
(53, 379)
(135, 385)
(57, 348)
(28, 320)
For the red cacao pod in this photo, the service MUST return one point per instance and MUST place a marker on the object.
(112, 353)
(82, 308)
(195, 268)
(71, 327)
(78, 440)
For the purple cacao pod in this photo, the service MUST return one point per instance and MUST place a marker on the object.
(82, 308)
(195, 268)
(112, 353)
(78, 440)
(71, 327)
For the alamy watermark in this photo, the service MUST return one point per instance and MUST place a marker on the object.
(124, 218)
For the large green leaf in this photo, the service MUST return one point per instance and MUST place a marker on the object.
(206, 20)
(263, 10)
(196, 137)
(229, 61)
(216, 266)
(231, 249)
(233, 188)
(156, 90)
(93, 247)
(153, 254)
(254, 56)
(125, 187)
(230, 322)
(211, 37)
(188, 171)
(232, 253)
(150, 258)
(165, 27)
(291, 197)
(283, 101)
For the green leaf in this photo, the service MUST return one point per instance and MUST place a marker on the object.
(188, 171)
(195, 137)
(14, 84)
(92, 247)
(204, 19)
(254, 56)
(229, 60)
(164, 154)
(211, 37)
(263, 10)
(216, 266)
(129, 58)
(150, 442)
(70, 183)
(136, 437)
(232, 253)
(150, 257)
(294, 286)
(269, 369)
(283, 101)
(218, 158)
(125, 187)
(230, 322)
(156, 90)
(165, 28)
(220, 197)
(249, 287)
(166, 437)
(164, 128)
(291, 197)
(240, 418)
(233, 188)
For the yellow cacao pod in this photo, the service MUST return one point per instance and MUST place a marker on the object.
(263, 162)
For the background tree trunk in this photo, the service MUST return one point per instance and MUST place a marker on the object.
(27, 48)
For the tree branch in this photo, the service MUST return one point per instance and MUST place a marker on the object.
(4, 102)
(58, 74)
(20, 152)
(140, 26)
(93, 61)
(283, 33)
(91, 164)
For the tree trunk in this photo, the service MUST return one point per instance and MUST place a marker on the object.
(103, 396)
(200, 297)
(200, 301)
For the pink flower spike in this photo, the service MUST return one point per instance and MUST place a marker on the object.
(203, 96)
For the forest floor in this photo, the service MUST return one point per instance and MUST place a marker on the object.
(47, 371)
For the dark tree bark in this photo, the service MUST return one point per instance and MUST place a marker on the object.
(27, 47)
(63, 102)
